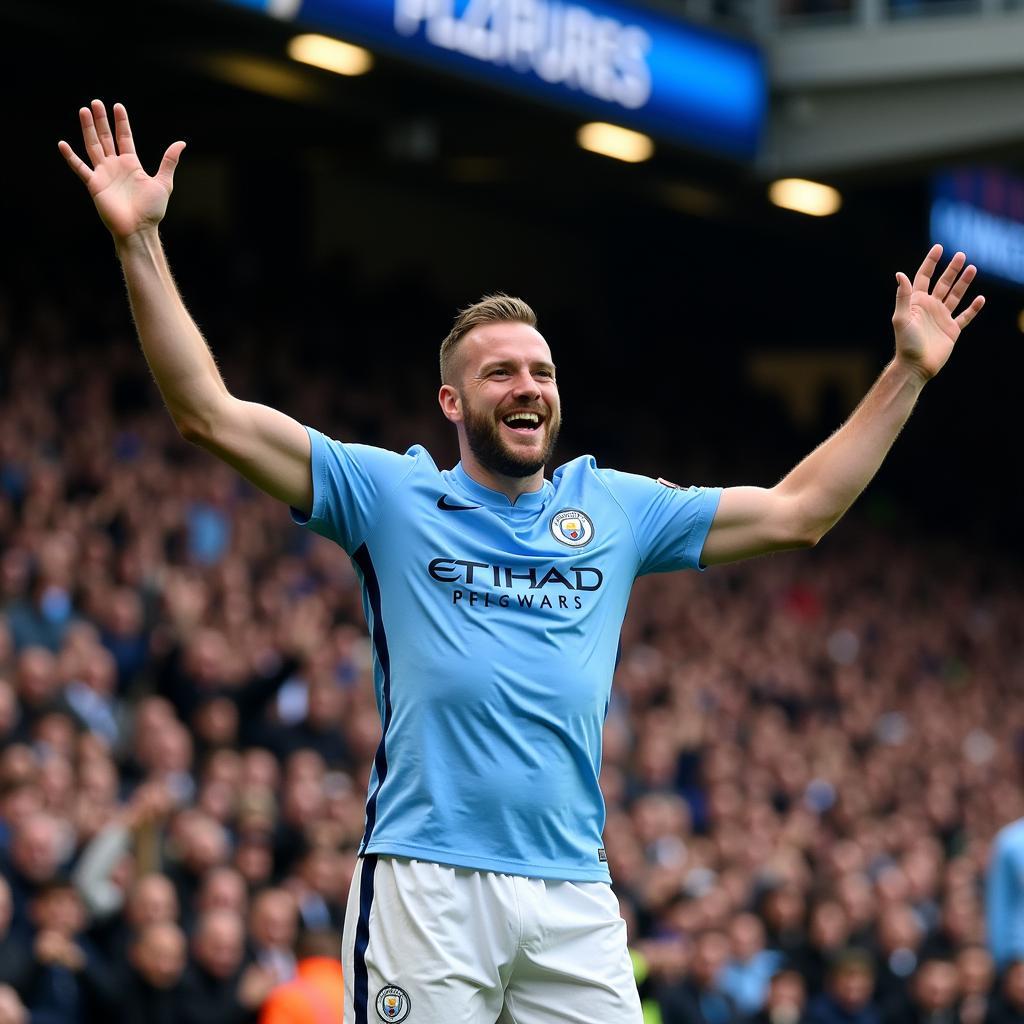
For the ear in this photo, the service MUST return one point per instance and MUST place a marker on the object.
(450, 402)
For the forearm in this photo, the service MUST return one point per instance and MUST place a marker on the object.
(147, 848)
(826, 483)
(178, 357)
(92, 874)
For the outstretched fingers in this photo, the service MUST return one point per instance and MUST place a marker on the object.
(948, 278)
(956, 293)
(165, 175)
(123, 130)
(106, 137)
(970, 312)
(74, 161)
(903, 292)
(923, 277)
(93, 149)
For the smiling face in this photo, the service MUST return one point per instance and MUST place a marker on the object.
(504, 399)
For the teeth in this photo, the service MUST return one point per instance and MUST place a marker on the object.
(527, 417)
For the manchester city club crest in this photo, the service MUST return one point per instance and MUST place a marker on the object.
(572, 527)
(393, 1004)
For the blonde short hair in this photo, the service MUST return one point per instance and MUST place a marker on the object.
(496, 308)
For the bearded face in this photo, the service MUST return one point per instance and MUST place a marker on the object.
(516, 440)
(503, 396)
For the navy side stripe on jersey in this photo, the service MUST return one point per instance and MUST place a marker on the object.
(361, 982)
(380, 644)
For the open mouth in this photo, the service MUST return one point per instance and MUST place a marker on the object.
(523, 422)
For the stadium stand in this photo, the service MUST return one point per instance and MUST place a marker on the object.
(802, 784)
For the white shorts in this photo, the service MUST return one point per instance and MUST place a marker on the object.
(432, 944)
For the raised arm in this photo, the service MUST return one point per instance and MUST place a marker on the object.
(810, 500)
(267, 447)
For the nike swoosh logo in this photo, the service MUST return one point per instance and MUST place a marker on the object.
(443, 505)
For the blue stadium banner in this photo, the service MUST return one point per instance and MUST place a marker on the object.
(981, 211)
(606, 60)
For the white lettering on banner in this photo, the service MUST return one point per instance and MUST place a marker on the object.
(995, 243)
(563, 44)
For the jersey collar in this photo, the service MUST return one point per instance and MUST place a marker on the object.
(495, 499)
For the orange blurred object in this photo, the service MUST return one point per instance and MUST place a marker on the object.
(315, 996)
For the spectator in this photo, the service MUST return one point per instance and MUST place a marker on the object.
(303, 803)
(123, 633)
(857, 898)
(273, 925)
(254, 859)
(203, 671)
(104, 856)
(318, 888)
(828, 935)
(899, 941)
(15, 957)
(38, 850)
(320, 728)
(152, 988)
(847, 998)
(67, 976)
(976, 970)
(786, 1001)
(1008, 1006)
(90, 692)
(152, 899)
(933, 996)
(36, 683)
(218, 988)
(960, 924)
(223, 888)
(317, 993)
(699, 998)
(42, 620)
(200, 844)
(783, 909)
(746, 975)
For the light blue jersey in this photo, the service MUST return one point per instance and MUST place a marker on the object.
(495, 629)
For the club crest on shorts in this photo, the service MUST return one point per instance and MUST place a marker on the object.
(572, 527)
(393, 1004)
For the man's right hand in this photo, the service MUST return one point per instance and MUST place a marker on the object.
(128, 199)
(270, 449)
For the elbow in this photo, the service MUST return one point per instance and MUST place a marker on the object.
(194, 430)
(798, 526)
(189, 431)
(200, 424)
(808, 535)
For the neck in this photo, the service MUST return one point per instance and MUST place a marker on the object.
(510, 486)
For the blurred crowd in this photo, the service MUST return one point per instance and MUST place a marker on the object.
(806, 758)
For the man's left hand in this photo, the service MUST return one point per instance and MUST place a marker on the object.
(924, 322)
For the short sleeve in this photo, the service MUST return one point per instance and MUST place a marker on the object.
(669, 523)
(350, 484)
